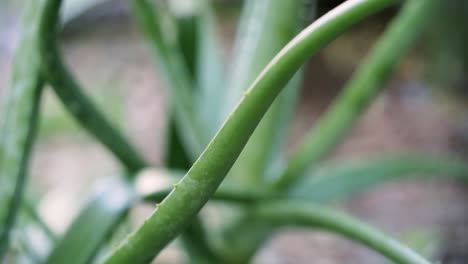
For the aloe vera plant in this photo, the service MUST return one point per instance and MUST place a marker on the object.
(222, 125)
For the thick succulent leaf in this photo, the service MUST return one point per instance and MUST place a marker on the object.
(187, 23)
(68, 90)
(317, 217)
(160, 29)
(201, 53)
(19, 120)
(358, 93)
(191, 29)
(176, 157)
(206, 174)
(93, 226)
(340, 180)
(20, 110)
(266, 26)
(209, 69)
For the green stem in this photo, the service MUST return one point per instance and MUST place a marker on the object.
(338, 19)
(177, 154)
(265, 27)
(309, 215)
(225, 194)
(192, 29)
(338, 181)
(360, 91)
(207, 173)
(72, 97)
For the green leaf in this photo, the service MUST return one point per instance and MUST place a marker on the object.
(266, 26)
(159, 28)
(191, 35)
(207, 173)
(360, 90)
(74, 100)
(95, 223)
(19, 121)
(340, 180)
(19, 117)
(348, 107)
(314, 216)
(176, 157)
(192, 27)
(209, 69)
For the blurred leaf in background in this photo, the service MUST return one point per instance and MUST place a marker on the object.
(447, 47)
(58, 122)
(74, 8)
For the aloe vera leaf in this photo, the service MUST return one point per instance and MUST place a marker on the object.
(348, 107)
(187, 21)
(159, 29)
(19, 121)
(359, 91)
(265, 27)
(74, 100)
(318, 217)
(209, 69)
(335, 181)
(94, 224)
(198, 185)
(194, 238)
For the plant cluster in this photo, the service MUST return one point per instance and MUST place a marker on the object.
(222, 125)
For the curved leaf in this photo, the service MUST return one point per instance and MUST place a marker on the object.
(159, 29)
(314, 216)
(206, 174)
(360, 91)
(99, 217)
(266, 26)
(74, 100)
(338, 181)
(19, 121)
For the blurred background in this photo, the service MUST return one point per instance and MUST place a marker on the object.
(424, 109)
